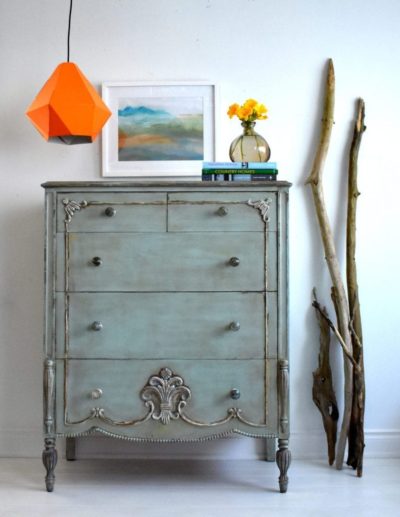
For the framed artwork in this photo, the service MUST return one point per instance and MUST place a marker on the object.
(158, 129)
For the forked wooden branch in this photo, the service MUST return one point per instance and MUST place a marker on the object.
(341, 305)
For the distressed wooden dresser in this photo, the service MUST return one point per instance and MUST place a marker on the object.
(166, 313)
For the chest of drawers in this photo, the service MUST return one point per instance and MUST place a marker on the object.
(166, 313)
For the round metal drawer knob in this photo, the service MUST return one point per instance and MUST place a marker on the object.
(235, 326)
(97, 325)
(96, 394)
(235, 394)
(96, 261)
(222, 210)
(110, 211)
(234, 261)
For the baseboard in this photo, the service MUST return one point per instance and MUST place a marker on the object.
(380, 443)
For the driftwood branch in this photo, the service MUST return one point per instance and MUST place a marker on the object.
(356, 431)
(326, 128)
(323, 392)
(342, 312)
(323, 314)
(356, 340)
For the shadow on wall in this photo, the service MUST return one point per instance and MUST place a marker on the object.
(22, 316)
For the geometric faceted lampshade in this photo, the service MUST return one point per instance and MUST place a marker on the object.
(68, 109)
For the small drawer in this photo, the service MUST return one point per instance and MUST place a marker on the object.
(113, 212)
(220, 211)
(120, 389)
(199, 261)
(172, 325)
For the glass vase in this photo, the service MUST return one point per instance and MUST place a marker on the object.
(249, 146)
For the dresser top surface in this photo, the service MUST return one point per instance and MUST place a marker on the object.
(167, 185)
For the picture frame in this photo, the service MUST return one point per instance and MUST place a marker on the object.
(158, 129)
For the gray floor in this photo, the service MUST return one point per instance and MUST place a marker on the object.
(197, 489)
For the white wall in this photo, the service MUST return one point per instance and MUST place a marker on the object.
(275, 51)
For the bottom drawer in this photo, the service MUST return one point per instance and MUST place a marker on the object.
(167, 399)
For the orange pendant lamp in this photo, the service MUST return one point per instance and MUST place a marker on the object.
(68, 109)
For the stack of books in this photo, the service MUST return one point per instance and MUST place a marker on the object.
(239, 171)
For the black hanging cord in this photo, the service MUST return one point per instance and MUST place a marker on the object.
(69, 29)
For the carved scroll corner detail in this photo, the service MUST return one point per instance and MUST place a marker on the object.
(71, 206)
(263, 205)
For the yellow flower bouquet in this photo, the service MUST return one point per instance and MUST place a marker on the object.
(249, 111)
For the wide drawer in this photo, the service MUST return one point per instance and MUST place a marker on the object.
(220, 211)
(120, 389)
(112, 212)
(167, 325)
(168, 262)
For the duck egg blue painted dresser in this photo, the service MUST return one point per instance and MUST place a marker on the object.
(166, 313)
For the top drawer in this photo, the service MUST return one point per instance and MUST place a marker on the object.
(113, 212)
(219, 211)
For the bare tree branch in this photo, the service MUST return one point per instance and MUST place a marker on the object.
(341, 306)
(356, 430)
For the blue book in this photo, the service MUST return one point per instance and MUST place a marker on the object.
(254, 177)
(239, 165)
(220, 177)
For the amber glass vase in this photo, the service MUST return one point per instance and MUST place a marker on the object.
(249, 146)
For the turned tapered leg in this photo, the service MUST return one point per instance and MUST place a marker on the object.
(70, 449)
(49, 458)
(283, 459)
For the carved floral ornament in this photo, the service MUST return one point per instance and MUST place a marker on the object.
(166, 394)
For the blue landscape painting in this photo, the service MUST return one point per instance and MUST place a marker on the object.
(158, 129)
